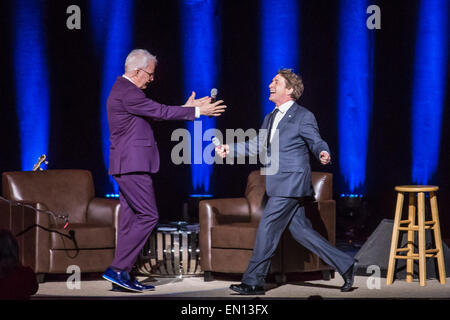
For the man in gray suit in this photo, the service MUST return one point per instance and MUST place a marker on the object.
(292, 133)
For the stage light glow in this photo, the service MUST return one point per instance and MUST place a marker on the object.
(343, 195)
(201, 195)
(354, 92)
(200, 43)
(31, 81)
(431, 54)
(100, 21)
(112, 195)
(279, 43)
(113, 24)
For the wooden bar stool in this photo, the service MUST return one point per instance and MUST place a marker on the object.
(420, 227)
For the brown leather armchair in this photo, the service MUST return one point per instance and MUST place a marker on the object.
(228, 231)
(45, 245)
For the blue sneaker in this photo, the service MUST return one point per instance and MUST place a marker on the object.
(142, 286)
(137, 284)
(121, 278)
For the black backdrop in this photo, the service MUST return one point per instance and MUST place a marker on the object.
(75, 78)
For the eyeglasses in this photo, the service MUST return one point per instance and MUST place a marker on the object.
(151, 75)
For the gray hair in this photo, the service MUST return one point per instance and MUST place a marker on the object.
(138, 59)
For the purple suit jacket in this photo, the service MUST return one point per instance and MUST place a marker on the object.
(133, 146)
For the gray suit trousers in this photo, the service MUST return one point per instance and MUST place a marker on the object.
(279, 213)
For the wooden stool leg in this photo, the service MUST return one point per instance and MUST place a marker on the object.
(394, 241)
(421, 223)
(437, 237)
(412, 219)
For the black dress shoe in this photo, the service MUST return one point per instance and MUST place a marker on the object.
(349, 277)
(245, 289)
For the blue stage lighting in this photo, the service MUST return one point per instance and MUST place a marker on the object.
(279, 41)
(112, 25)
(31, 81)
(354, 92)
(112, 195)
(431, 54)
(201, 195)
(100, 17)
(199, 35)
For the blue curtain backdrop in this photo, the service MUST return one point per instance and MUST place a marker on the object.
(380, 96)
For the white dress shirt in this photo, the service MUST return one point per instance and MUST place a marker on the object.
(280, 114)
(197, 110)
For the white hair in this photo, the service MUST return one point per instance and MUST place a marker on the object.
(138, 59)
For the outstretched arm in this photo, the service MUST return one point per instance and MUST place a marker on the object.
(310, 132)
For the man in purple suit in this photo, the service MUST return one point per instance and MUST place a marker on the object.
(134, 156)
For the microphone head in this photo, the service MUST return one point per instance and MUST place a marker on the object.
(214, 92)
(216, 141)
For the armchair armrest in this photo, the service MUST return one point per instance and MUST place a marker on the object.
(216, 211)
(31, 229)
(104, 212)
(23, 217)
(227, 210)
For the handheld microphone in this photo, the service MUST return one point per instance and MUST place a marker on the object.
(214, 93)
(216, 141)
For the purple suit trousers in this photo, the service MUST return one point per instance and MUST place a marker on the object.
(138, 217)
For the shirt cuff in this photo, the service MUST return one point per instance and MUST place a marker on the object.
(197, 112)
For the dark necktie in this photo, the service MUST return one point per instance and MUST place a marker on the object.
(269, 128)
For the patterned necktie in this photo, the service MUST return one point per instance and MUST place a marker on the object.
(269, 128)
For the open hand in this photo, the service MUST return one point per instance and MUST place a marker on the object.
(205, 106)
(212, 109)
(192, 102)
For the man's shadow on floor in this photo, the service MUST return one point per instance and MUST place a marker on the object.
(272, 286)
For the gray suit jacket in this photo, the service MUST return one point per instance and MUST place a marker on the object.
(288, 171)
